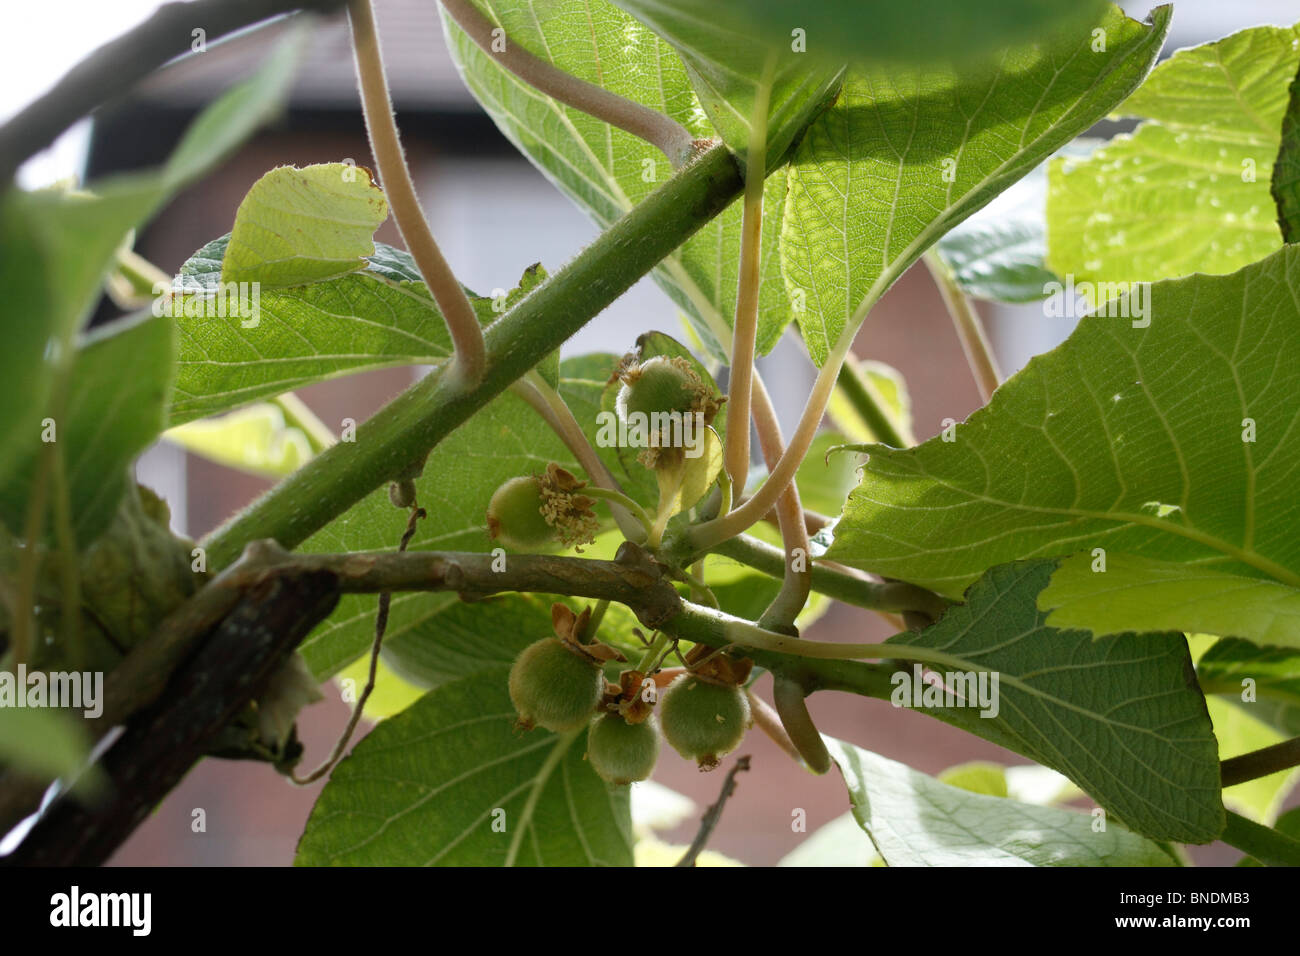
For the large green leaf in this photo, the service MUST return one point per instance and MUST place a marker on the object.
(839, 31)
(297, 226)
(1122, 716)
(1285, 185)
(1188, 191)
(378, 317)
(1129, 440)
(907, 154)
(58, 245)
(733, 65)
(914, 820)
(605, 170)
(427, 786)
(108, 420)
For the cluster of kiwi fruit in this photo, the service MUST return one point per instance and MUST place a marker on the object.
(558, 683)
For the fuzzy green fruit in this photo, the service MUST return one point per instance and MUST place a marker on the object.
(554, 687)
(658, 385)
(703, 721)
(514, 515)
(621, 752)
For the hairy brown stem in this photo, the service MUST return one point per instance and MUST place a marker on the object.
(395, 175)
(796, 576)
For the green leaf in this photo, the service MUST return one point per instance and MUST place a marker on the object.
(1126, 439)
(977, 776)
(1273, 692)
(426, 787)
(731, 64)
(915, 820)
(392, 693)
(108, 420)
(281, 339)
(1285, 185)
(841, 31)
(255, 439)
(1171, 595)
(907, 154)
(297, 226)
(1272, 671)
(1188, 191)
(464, 639)
(59, 245)
(607, 171)
(1119, 716)
(1000, 253)
(44, 744)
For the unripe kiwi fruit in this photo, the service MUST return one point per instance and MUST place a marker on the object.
(620, 752)
(658, 385)
(704, 721)
(514, 515)
(555, 687)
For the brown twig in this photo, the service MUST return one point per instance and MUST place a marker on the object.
(381, 625)
(713, 815)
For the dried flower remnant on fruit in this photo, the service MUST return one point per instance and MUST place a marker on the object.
(568, 512)
(572, 630)
(628, 697)
(708, 664)
(533, 511)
